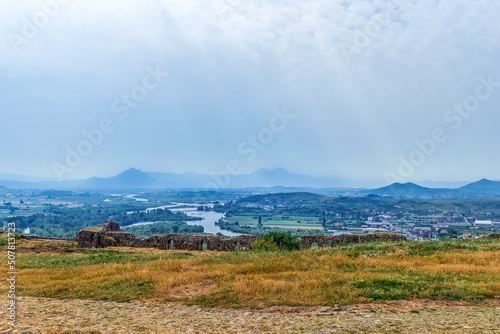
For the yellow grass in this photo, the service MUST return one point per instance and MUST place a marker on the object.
(305, 278)
(94, 229)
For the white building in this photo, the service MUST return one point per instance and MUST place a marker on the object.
(483, 223)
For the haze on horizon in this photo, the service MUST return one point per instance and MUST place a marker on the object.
(359, 90)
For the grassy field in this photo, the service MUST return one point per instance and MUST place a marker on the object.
(290, 222)
(365, 273)
(21, 211)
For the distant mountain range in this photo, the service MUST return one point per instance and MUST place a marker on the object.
(262, 180)
(482, 187)
(136, 179)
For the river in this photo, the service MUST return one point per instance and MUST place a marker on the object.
(208, 217)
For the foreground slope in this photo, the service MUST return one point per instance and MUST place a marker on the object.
(346, 275)
(80, 316)
(378, 287)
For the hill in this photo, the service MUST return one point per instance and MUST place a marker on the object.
(136, 179)
(408, 190)
(482, 187)
(131, 178)
(262, 180)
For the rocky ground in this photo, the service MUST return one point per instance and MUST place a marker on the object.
(37, 315)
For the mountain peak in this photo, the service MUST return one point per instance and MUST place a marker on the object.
(404, 185)
(133, 176)
(483, 185)
(132, 171)
(402, 190)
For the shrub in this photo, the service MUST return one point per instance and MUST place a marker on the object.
(264, 245)
(276, 241)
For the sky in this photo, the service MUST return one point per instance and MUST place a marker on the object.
(379, 91)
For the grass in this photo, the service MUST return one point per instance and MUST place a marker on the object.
(372, 272)
(21, 210)
(291, 222)
(4, 238)
(93, 229)
(96, 257)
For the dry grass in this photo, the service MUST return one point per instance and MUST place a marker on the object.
(94, 229)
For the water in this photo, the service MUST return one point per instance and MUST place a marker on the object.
(141, 224)
(132, 196)
(208, 217)
(208, 222)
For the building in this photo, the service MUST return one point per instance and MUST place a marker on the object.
(483, 223)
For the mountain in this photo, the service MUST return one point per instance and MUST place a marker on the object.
(262, 180)
(131, 178)
(443, 184)
(136, 179)
(407, 190)
(278, 177)
(482, 187)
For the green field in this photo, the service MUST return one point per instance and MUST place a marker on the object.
(21, 211)
(277, 220)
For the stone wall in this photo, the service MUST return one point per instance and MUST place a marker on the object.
(313, 241)
(93, 239)
(89, 239)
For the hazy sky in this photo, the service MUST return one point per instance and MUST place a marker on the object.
(325, 87)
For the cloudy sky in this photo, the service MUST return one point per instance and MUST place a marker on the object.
(365, 90)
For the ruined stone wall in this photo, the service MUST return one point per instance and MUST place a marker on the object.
(308, 241)
(89, 239)
(116, 237)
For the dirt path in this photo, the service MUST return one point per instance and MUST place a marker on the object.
(37, 315)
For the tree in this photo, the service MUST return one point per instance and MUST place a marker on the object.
(259, 225)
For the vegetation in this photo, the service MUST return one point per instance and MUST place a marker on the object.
(144, 231)
(262, 230)
(265, 245)
(63, 213)
(298, 212)
(351, 274)
(276, 241)
(4, 238)
(61, 221)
